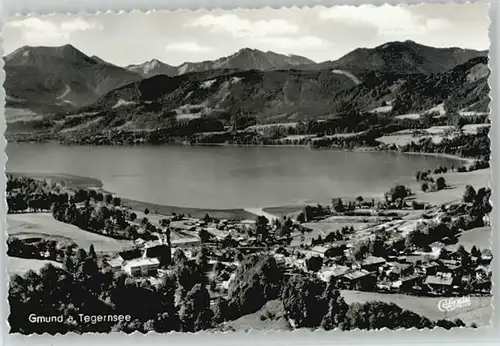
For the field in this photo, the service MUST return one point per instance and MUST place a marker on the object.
(20, 266)
(456, 183)
(19, 114)
(479, 237)
(269, 317)
(480, 312)
(44, 225)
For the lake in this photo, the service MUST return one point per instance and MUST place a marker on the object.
(224, 177)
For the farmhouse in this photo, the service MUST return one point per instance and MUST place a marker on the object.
(116, 264)
(160, 251)
(145, 266)
(428, 268)
(486, 256)
(187, 242)
(327, 273)
(127, 255)
(440, 283)
(320, 250)
(358, 279)
(372, 263)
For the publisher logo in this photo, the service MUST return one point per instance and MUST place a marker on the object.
(450, 304)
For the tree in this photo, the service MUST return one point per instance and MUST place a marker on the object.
(301, 217)
(100, 197)
(146, 211)
(205, 236)
(440, 183)
(469, 194)
(257, 280)
(338, 205)
(207, 218)
(336, 308)
(425, 187)
(399, 191)
(303, 301)
(308, 213)
(314, 263)
(133, 216)
(195, 310)
(221, 311)
(475, 251)
(261, 226)
(92, 253)
(117, 201)
(108, 199)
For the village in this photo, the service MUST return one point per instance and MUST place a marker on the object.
(393, 247)
(376, 257)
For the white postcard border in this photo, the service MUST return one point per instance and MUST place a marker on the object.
(487, 335)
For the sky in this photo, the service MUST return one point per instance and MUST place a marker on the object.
(319, 33)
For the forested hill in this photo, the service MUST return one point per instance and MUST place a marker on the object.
(406, 57)
(281, 96)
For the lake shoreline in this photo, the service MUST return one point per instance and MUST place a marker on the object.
(231, 213)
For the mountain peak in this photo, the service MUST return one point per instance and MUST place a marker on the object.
(152, 67)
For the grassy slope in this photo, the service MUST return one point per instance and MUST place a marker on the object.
(457, 183)
(16, 265)
(479, 312)
(254, 321)
(44, 225)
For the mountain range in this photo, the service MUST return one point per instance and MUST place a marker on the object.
(244, 59)
(266, 84)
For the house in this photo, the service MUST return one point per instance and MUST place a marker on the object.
(450, 266)
(428, 268)
(160, 251)
(130, 254)
(327, 273)
(144, 266)
(139, 241)
(336, 251)
(372, 263)
(116, 263)
(486, 256)
(320, 250)
(401, 259)
(408, 282)
(440, 283)
(187, 242)
(359, 280)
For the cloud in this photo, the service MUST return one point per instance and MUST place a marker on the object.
(296, 42)
(36, 28)
(239, 27)
(389, 20)
(188, 46)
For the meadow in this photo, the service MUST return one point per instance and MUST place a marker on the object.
(480, 311)
(43, 224)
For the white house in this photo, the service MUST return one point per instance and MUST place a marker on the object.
(138, 266)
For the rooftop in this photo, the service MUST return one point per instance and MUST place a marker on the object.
(320, 249)
(142, 262)
(334, 271)
(445, 280)
(115, 262)
(357, 274)
(373, 260)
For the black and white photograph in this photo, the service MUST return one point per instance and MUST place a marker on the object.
(312, 168)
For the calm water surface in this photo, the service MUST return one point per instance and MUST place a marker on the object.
(225, 177)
